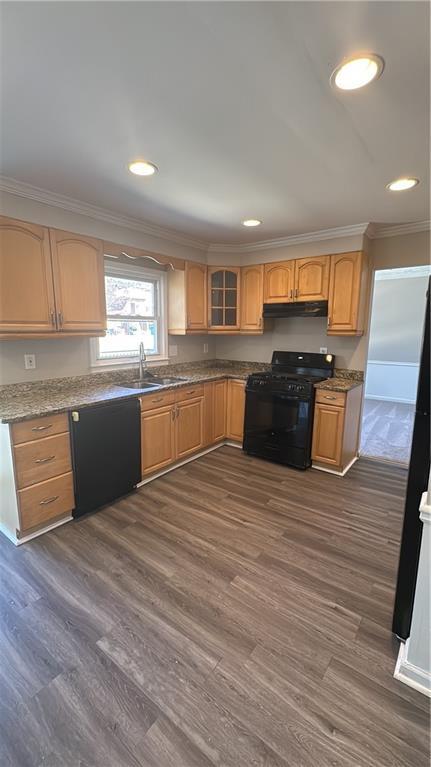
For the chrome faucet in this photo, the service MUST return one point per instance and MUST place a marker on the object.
(142, 361)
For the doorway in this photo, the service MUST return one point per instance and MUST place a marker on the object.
(397, 319)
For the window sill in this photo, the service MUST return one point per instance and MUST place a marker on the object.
(117, 362)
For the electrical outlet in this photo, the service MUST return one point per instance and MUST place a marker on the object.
(173, 350)
(205, 348)
(29, 361)
(323, 350)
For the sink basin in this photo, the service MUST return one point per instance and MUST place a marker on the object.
(166, 381)
(140, 385)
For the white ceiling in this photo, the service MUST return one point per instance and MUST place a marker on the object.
(231, 100)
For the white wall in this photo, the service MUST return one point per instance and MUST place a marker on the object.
(56, 358)
(397, 318)
(295, 334)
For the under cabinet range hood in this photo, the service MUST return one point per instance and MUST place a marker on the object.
(296, 309)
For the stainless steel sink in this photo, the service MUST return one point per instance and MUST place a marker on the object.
(166, 381)
(155, 382)
(140, 385)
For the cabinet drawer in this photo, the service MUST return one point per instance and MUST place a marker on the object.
(189, 392)
(157, 399)
(41, 459)
(46, 500)
(38, 428)
(327, 397)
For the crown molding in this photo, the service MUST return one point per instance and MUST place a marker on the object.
(20, 189)
(371, 230)
(376, 231)
(293, 239)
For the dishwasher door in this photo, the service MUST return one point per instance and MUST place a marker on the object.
(106, 450)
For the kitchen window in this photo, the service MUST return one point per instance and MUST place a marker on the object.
(135, 307)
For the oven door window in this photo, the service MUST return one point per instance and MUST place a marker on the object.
(276, 420)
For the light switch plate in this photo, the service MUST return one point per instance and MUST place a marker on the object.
(29, 361)
(323, 350)
(205, 348)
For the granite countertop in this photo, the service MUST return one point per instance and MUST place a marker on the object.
(19, 402)
(343, 380)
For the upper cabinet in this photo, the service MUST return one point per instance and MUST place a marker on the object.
(78, 271)
(348, 294)
(224, 298)
(252, 299)
(305, 279)
(312, 279)
(51, 282)
(279, 282)
(26, 289)
(187, 299)
(196, 295)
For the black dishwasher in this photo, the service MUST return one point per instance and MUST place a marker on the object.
(106, 450)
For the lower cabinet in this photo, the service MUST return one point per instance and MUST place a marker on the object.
(235, 409)
(175, 425)
(189, 427)
(336, 428)
(215, 399)
(172, 431)
(157, 439)
(42, 467)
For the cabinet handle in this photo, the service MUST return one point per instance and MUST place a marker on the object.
(49, 500)
(45, 460)
(291, 293)
(52, 313)
(329, 320)
(42, 428)
(260, 322)
(296, 292)
(173, 413)
(326, 396)
(60, 319)
(157, 399)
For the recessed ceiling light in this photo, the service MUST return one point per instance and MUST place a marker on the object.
(142, 168)
(401, 184)
(357, 72)
(251, 222)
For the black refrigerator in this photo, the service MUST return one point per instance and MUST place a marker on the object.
(417, 483)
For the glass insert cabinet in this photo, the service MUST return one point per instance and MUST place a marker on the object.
(223, 298)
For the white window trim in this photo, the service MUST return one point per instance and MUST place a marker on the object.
(124, 270)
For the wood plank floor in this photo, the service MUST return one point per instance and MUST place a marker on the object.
(232, 613)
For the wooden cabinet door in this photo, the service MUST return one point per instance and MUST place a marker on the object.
(251, 298)
(79, 282)
(328, 434)
(196, 296)
(344, 292)
(26, 289)
(157, 439)
(224, 298)
(219, 410)
(189, 427)
(279, 282)
(235, 409)
(312, 278)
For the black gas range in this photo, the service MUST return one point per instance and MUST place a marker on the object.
(279, 407)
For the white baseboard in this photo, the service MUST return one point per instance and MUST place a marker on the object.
(390, 399)
(25, 538)
(333, 471)
(411, 675)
